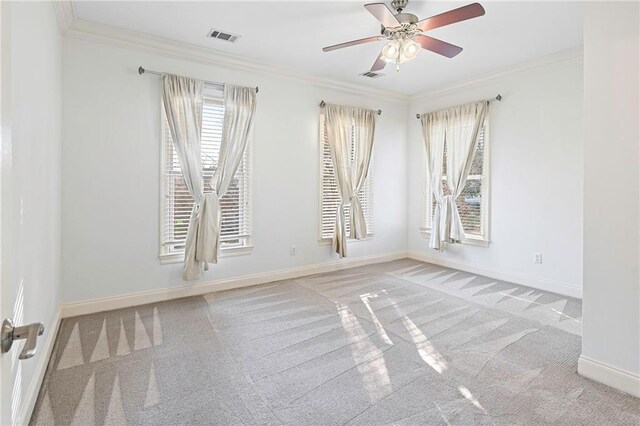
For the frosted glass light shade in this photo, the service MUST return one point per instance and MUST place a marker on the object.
(391, 50)
(410, 48)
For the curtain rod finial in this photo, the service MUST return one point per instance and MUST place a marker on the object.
(379, 112)
(499, 97)
(418, 116)
(322, 104)
(140, 70)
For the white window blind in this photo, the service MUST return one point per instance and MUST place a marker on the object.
(330, 197)
(177, 203)
(473, 201)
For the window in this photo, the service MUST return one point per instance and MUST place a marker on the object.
(177, 203)
(329, 196)
(474, 201)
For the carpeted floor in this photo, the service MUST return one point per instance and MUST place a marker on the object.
(396, 343)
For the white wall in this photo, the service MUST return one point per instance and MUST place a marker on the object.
(611, 331)
(535, 175)
(110, 160)
(111, 173)
(31, 119)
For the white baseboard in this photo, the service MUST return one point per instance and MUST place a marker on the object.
(500, 274)
(135, 299)
(611, 376)
(42, 361)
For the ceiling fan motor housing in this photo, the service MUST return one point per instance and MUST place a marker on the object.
(406, 18)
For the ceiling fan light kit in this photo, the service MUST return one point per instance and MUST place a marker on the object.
(405, 34)
(400, 49)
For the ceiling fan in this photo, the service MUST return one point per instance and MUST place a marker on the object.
(406, 34)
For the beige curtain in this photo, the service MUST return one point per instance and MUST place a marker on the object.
(433, 130)
(239, 110)
(182, 98)
(459, 129)
(463, 128)
(350, 134)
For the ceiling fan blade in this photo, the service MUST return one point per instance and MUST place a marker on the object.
(383, 14)
(379, 64)
(451, 17)
(351, 43)
(438, 46)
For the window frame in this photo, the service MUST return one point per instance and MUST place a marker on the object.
(167, 256)
(322, 240)
(427, 197)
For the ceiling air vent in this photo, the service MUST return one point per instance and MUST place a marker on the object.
(371, 74)
(221, 35)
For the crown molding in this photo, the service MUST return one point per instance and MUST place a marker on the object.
(65, 13)
(557, 57)
(106, 34)
(83, 29)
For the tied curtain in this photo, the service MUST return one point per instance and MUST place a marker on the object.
(350, 134)
(459, 129)
(183, 98)
(433, 129)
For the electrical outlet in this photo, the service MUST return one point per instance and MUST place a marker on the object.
(293, 251)
(537, 257)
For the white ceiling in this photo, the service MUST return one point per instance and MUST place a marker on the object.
(292, 34)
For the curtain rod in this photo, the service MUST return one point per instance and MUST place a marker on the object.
(497, 98)
(322, 105)
(141, 71)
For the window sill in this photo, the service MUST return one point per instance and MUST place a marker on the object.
(470, 241)
(166, 259)
(327, 241)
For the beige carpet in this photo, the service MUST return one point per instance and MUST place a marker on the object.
(397, 343)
